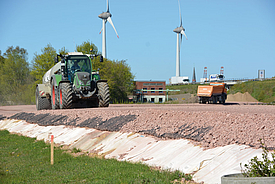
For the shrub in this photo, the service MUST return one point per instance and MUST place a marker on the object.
(258, 168)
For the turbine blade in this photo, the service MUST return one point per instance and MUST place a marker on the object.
(180, 14)
(111, 22)
(102, 27)
(183, 33)
(107, 6)
(100, 30)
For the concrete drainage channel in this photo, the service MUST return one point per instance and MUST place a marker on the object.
(208, 165)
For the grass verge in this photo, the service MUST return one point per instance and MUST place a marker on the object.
(26, 160)
(191, 88)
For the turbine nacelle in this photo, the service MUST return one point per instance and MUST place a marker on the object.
(179, 30)
(105, 15)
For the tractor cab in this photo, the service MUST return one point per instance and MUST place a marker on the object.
(76, 64)
(78, 68)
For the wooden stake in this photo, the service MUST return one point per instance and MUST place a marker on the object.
(52, 148)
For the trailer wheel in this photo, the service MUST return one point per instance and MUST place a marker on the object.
(41, 102)
(199, 99)
(203, 100)
(104, 94)
(54, 97)
(65, 96)
(223, 99)
(214, 99)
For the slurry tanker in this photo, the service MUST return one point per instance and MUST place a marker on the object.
(72, 82)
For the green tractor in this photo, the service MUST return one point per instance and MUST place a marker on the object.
(72, 82)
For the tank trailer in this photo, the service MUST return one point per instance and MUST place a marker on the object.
(72, 81)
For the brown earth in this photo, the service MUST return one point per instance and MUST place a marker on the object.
(241, 97)
(207, 125)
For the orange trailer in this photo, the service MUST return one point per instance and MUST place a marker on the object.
(213, 93)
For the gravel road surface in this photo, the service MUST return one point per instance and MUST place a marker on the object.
(206, 125)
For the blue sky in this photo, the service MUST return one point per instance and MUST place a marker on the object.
(236, 34)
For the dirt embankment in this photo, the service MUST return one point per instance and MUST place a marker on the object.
(207, 125)
(241, 97)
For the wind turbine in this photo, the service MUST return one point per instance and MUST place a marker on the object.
(180, 31)
(105, 16)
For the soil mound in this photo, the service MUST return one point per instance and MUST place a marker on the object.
(239, 97)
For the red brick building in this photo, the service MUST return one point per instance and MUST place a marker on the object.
(150, 91)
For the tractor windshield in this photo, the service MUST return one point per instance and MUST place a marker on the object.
(78, 64)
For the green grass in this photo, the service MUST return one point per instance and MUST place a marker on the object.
(26, 160)
(190, 88)
(263, 91)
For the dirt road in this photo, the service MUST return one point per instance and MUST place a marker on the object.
(207, 125)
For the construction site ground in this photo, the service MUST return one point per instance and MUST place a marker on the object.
(205, 126)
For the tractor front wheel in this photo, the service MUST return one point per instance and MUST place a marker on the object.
(65, 96)
(103, 94)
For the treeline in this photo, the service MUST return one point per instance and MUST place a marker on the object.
(15, 79)
(18, 78)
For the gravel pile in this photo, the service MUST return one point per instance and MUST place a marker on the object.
(206, 125)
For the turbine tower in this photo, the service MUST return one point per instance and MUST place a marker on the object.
(180, 31)
(105, 16)
(194, 76)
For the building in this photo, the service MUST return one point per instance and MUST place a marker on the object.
(149, 91)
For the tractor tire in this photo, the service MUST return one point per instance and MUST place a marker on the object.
(103, 94)
(54, 101)
(41, 102)
(65, 96)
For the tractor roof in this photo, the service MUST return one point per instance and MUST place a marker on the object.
(75, 53)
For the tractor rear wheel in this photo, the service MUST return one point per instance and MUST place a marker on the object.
(65, 96)
(54, 97)
(41, 102)
(104, 94)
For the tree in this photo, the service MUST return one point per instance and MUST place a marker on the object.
(85, 48)
(15, 79)
(1, 59)
(120, 78)
(63, 51)
(41, 63)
